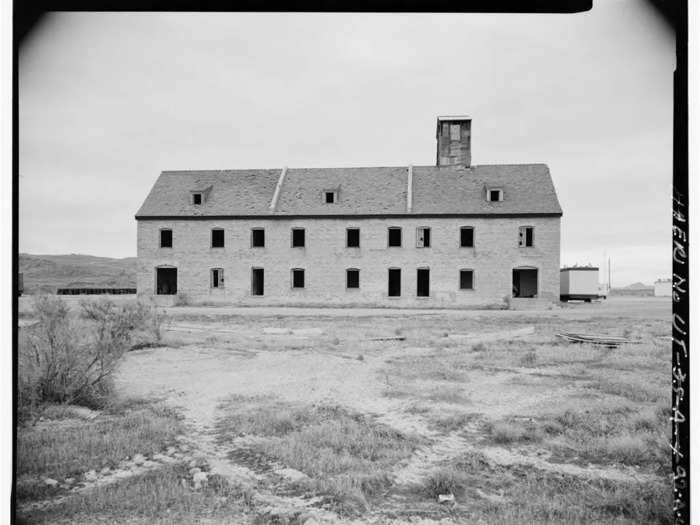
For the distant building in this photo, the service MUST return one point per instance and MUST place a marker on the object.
(446, 235)
(662, 288)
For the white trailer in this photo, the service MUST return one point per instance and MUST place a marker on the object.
(579, 283)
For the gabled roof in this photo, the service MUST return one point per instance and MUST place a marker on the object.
(381, 191)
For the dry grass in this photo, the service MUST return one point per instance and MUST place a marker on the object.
(345, 455)
(487, 493)
(67, 447)
(156, 497)
(513, 431)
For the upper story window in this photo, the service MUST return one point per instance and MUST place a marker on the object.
(494, 195)
(353, 238)
(422, 237)
(394, 237)
(330, 196)
(217, 238)
(257, 237)
(196, 198)
(526, 236)
(466, 237)
(298, 237)
(166, 238)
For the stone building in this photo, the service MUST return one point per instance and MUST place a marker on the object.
(422, 236)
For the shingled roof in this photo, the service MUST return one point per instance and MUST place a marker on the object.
(382, 191)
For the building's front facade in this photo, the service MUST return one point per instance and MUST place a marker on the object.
(449, 235)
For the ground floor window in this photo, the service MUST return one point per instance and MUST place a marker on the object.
(352, 278)
(394, 282)
(423, 282)
(297, 278)
(466, 279)
(217, 277)
(257, 285)
(525, 282)
(166, 281)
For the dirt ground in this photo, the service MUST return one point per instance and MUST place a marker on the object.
(361, 359)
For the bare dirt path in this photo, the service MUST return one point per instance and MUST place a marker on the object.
(196, 378)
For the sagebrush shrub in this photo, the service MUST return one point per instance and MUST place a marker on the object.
(70, 358)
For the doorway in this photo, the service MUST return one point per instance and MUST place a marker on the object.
(524, 282)
(166, 281)
(394, 282)
(423, 282)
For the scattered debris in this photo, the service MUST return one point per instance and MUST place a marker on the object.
(275, 331)
(493, 336)
(446, 498)
(307, 331)
(291, 474)
(90, 475)
(199, 478)
(605, 340)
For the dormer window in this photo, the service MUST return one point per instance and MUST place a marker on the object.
(199, 194)
(330, 196)
(494, 195)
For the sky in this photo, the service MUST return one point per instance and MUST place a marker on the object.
(109, 100)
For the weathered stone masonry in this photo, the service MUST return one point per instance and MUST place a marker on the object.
(325, 259)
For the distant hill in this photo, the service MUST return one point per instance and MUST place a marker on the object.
(46, 273)
(638, 286)
(634, 289)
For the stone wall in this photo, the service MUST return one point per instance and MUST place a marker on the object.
(325, 259)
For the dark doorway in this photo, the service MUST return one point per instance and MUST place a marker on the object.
(525, 282)
(258, 282)
(394, 282)
(423, 281)
(166, 281)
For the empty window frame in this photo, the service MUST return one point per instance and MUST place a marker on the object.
(394, 237)
(352, 278)
(197, 198)
(423, 282)
(298, 237)
(166, 238)
(494, 195)
(352, 238)
(422, 237)
(330, 196)
(466, 237)
(217, 238)
(394, 282)
(466, 279)
(455, 132)
(257, 281)
(526, 236)
(217, 278)
(257, 237)
(297, 278)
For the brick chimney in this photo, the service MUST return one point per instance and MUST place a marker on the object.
(454, 141)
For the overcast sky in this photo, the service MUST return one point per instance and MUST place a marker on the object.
(108, 100)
